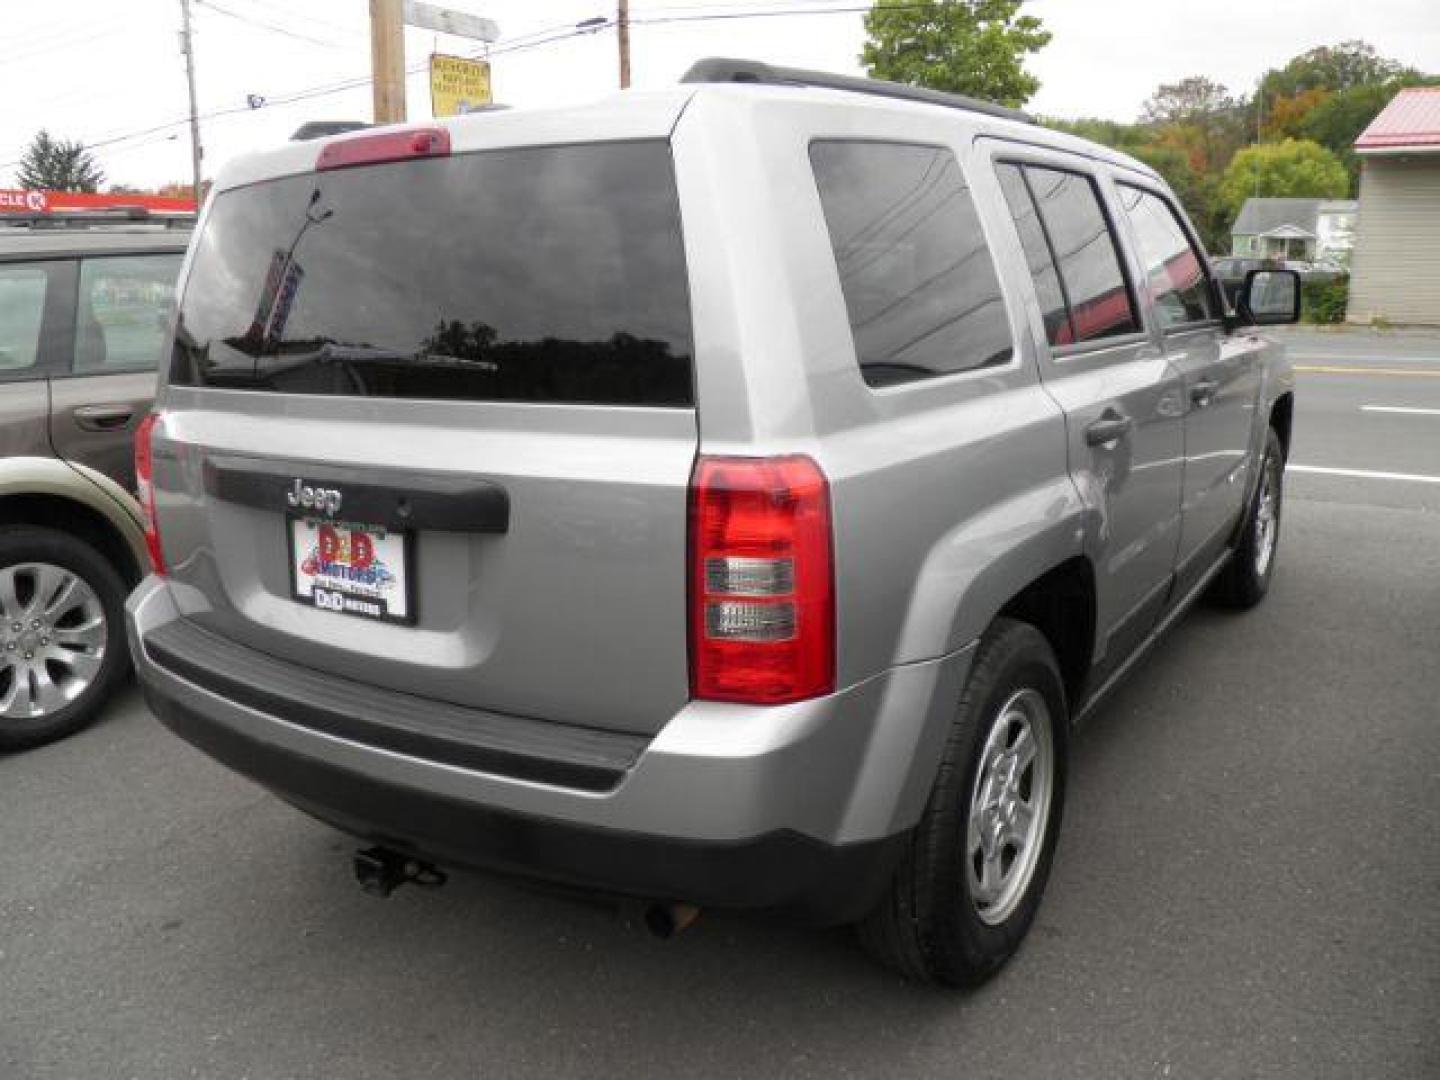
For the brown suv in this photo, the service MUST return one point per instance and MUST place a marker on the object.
(83, 315)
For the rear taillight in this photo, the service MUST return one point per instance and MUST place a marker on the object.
(145, 489)
(762, 601)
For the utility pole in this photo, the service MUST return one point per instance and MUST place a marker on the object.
(622, 25)
(387, 60)
(187, 46)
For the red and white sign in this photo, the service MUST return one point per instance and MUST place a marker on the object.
(59, 202)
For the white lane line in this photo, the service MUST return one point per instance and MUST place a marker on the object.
(1407, 410)
(1362, 357)
(1364, 474)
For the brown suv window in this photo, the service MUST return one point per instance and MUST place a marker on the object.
(123, 311)
(22, 314)
(918, 278)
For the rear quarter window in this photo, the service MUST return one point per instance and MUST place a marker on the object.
(918, 279)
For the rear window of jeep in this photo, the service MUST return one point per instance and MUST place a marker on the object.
(551, 274)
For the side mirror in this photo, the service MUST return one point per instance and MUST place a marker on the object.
(1269, 298)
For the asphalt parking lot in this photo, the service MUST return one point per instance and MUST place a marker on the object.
(1248, 882)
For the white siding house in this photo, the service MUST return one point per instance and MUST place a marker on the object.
(1396, 266)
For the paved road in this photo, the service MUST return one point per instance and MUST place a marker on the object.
(1369, 402)
(1248, 882)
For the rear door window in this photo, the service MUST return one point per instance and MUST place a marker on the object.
(123, 311)
(22, 317)
(918, 279)
(1086, 251)
(551, 274)
(1038, 255)
(1174, 268)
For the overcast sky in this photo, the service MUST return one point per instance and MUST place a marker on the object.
(99, 70)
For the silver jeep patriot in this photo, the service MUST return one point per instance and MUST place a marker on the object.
(732, 495)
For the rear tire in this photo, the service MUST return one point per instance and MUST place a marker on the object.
(971, 879)
(1246, 578)
(62, 635)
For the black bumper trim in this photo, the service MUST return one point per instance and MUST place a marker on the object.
(783, 871)
(516, 747)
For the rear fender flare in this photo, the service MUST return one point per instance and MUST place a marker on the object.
(984, 562)
(78, 484)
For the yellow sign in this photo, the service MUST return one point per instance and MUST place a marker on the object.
(458, 85)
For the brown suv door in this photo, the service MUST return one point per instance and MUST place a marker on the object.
(33, 328)
(122, 304)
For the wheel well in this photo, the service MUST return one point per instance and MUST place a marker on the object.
(1282, 414)
(77, 519)
(1061, 605)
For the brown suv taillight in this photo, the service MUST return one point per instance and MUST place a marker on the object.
(145, 489)
(762, 601)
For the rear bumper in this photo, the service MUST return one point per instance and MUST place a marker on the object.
(801, 808)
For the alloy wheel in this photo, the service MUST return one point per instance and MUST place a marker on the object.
(52, 639)
(1010, 806)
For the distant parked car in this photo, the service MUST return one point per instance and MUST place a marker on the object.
(83, 313)
(1230, 272)
(1320, 271)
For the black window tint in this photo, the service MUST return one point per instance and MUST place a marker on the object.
(1174, 273)
(22, 314)
(1037, 254)
(123, 311)
(1100, 303)
(553, 274)
(918, 279)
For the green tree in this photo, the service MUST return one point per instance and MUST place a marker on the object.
(55, 165)
(1191, 99)
(1195, 190)
(1112, 133)
(1330, 67)
(974, 47)
(1337, 122)
(1295, 168)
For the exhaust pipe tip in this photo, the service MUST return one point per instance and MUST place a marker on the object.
(665, 920)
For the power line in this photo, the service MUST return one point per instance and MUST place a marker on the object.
(522, 43)
(264, 25)
(352, 29)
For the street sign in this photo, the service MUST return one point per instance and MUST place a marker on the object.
(446, 21)
(458, 85)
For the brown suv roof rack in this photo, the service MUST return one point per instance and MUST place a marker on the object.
(718, 69)
(81, 219)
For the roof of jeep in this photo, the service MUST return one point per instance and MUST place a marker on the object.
(51, 243)
(643, 114)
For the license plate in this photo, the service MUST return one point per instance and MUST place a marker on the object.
(352, 569)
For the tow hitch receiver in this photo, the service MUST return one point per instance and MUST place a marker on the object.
(381, 871)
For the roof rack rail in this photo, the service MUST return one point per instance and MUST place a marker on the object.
(114, 215)
(719, 69)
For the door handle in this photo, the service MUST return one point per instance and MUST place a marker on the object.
(1202, 392)
(103, 417)
(1110, 427)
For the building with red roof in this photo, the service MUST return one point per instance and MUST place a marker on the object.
(1396, 265)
